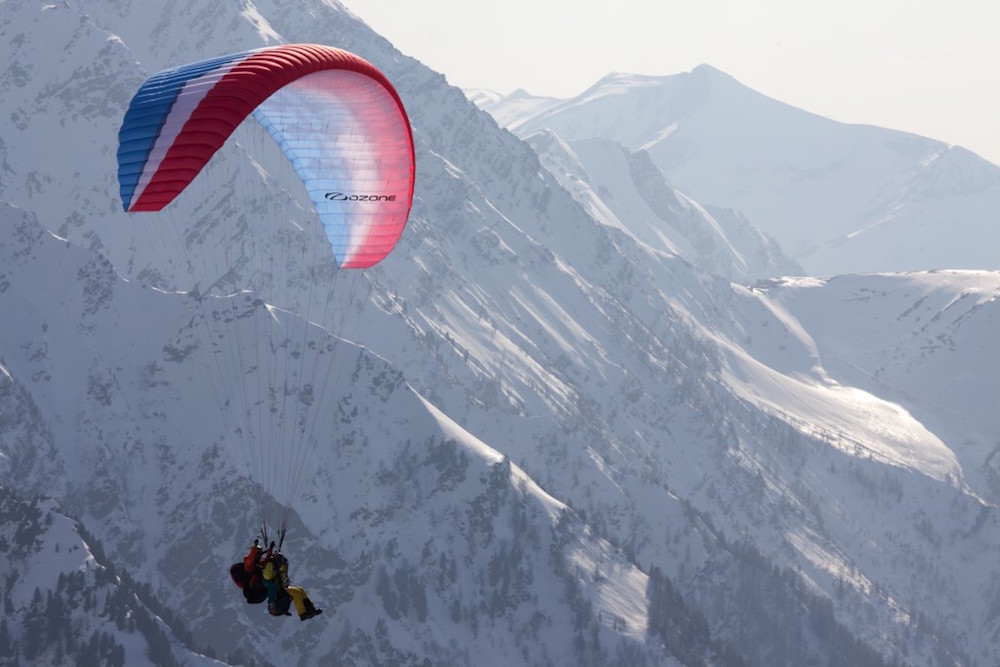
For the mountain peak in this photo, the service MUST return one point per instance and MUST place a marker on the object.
(875, 199)
(625, 79)
(711, 73)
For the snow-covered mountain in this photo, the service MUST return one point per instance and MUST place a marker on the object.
(557, 439)
(838, 198)
(73, 607)
(627, 191)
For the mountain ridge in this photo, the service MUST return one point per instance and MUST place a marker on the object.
(839, 198)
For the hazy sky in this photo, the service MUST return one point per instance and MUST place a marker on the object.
(926, 66)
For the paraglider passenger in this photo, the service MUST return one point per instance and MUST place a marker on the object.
(280, 595)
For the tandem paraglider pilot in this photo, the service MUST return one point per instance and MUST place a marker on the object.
(343, 128)
(263, 575)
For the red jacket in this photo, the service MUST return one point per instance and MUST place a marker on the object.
(252, 560)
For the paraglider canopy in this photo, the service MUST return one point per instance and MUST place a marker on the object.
(269, 359)
(336, 117)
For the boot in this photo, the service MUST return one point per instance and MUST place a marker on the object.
(310, 611)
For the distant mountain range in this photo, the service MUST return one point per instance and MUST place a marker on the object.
(838, 198)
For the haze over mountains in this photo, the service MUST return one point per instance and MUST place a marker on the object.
(838, 198)
(591, 412)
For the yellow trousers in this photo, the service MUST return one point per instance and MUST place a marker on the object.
(298, 595)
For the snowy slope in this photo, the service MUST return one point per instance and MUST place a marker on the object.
(72, 607)
(838, 198)
(627, 191)
(918, 339)
(394, 458)
(555, 444)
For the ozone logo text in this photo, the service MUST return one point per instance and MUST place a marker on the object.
(344, 196)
